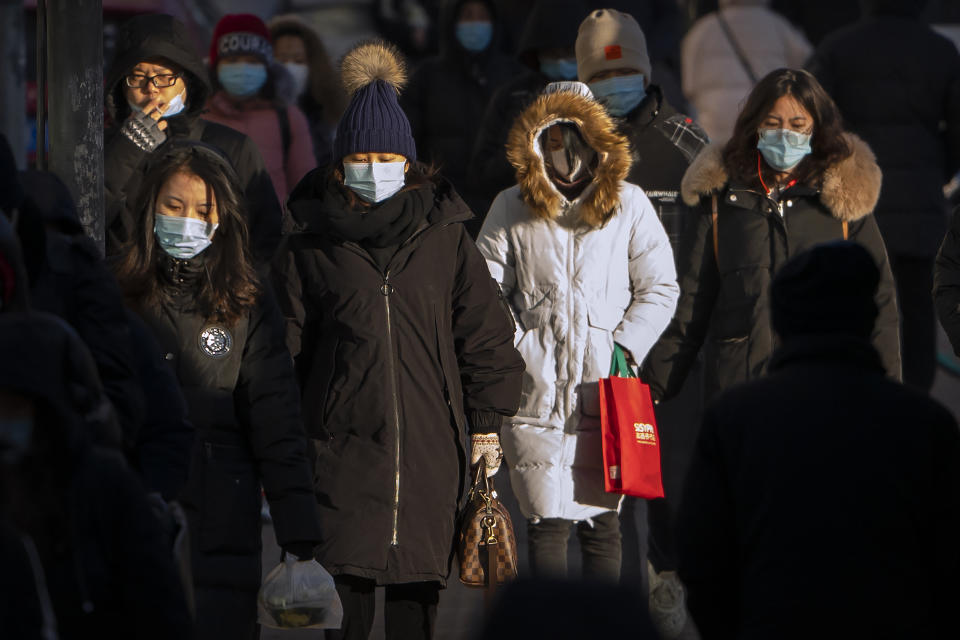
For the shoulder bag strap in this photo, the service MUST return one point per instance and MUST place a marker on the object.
(744, 62)
(846, 230)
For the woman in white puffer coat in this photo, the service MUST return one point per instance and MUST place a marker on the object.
(583, 262)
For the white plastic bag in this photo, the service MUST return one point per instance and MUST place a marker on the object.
(299, 595)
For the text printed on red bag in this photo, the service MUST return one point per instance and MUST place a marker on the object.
(645, 433)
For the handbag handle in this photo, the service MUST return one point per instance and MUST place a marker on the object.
(618, 364)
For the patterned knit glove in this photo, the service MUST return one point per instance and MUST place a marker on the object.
(486, 446)
(143, 131)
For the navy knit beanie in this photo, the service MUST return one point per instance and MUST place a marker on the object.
(373, 75)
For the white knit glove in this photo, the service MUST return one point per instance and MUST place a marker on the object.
(486, 446)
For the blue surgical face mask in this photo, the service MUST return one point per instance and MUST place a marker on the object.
(474, 36)
(559, 68)
(183, 238)
(241, 79)
(15, 435)
(783, 149)
(300, 74)
(620, 94)
(374, 181)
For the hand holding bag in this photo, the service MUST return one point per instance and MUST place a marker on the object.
(299, 595)
(631, 443)
(488, 546)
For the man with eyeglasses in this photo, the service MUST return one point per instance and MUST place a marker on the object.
(156, 90)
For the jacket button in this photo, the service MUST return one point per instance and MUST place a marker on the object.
(386, 289)
(733, 197)
(169, 356)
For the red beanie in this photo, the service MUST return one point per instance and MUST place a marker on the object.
(241, 33)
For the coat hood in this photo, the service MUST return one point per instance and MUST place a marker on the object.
(602, 197)
(552, 24)
(155, 36)
(850, 188)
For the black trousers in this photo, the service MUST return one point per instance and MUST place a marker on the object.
(600, 544)
(918, 323)
(410, 610)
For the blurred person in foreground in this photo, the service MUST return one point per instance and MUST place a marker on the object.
(904, 101)
(156, 90)
(824, 499)
(82, 514)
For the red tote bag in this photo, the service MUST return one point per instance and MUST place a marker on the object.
(631, 443)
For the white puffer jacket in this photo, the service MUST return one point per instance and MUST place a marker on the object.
(578, 276)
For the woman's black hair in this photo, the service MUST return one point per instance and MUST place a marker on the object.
(231, 286)
(828, 143)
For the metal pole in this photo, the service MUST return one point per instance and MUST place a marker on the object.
(75, 93)
(13, 115)
(41, 37)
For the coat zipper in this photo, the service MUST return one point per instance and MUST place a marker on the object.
(386, 290)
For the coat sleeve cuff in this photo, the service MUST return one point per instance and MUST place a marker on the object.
(485, 422)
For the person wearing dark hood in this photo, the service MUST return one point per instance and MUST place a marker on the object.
(253, 94)
(612, 58)
(915, 131)
(546, 49)
(823, 500)
(106, 565)
(454, 88)
(297, 46)
(189, 274)
(157, 89)
(405, 351)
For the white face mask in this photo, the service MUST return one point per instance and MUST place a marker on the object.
(567, 168)
(374, 181)
(300, 74)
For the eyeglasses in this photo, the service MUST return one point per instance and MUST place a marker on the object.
(160, 81)
(792, 137)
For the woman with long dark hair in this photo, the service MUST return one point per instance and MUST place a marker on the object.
(189, 274)
(405, 351)
(789, 178)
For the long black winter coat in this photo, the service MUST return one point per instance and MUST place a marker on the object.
(399, 364)
(242, 396)
(108, 568)
(724, 299)
(946, 282)
(816, 495)
(125, 164)
(904, 100)
(447, 96)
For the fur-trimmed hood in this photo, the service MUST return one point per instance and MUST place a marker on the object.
(602, 197)
(850, 189)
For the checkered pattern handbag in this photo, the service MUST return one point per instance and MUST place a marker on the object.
(488, 546)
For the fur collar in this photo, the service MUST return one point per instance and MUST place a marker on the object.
(601, 199)
(850, 188)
